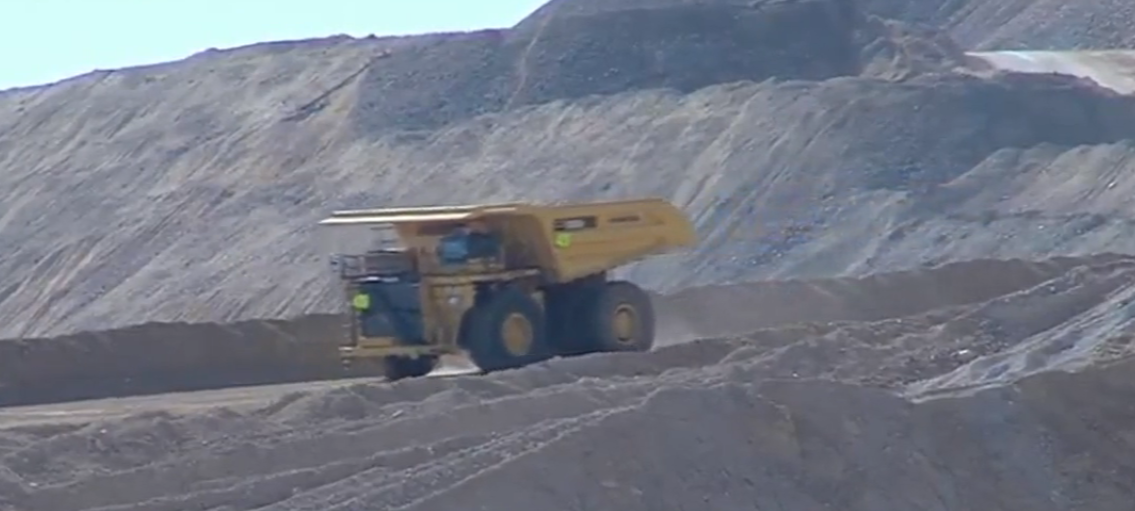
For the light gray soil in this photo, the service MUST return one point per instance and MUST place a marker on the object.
(912, 344)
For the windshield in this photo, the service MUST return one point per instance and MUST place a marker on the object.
(358, 239)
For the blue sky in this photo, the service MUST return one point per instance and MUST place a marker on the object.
(43, 41)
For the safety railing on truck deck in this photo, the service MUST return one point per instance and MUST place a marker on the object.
(371, 264)
(400, 262)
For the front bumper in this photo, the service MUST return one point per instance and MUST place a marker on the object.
(385, 347)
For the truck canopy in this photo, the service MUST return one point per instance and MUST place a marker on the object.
(567, 240)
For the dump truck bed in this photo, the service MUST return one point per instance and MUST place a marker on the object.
(567, 240)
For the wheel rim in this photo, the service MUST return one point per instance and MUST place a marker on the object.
(625, 323)
(517, 333)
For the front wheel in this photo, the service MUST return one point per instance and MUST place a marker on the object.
(399, 367)
(507, 332)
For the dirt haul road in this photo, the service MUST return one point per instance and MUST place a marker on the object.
(170, 357)
(240, 397)
(850, 394)
(1113, 69)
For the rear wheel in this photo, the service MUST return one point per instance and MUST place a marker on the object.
(619, 317)
(507, 332)
(568, 305)
(399, 367)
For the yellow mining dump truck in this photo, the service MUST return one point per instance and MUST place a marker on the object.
(505, 284)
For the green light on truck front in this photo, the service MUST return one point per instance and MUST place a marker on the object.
(361, 301)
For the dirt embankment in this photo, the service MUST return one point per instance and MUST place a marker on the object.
(784, 180)
(192, 183)
(167, 357)
(617, 49)
(974, 24)
(1020, 24)
(797, 177)
(712, 311)
(712, 423)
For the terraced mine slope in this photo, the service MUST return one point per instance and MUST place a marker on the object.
(1021, 24)
(201, 180)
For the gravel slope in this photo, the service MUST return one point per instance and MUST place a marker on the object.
(974, 24)
(792, 179)
(182, 207)
(192, 186)
(779, 417)
(915, 344)
(1021, 24)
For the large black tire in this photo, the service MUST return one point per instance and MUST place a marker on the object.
(567, 309)
(619, 317)
(398, 368)
(506, 332)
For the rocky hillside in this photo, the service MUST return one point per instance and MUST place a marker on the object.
(807, 138)
(974, 24)
(1021, 24)
(188, 191)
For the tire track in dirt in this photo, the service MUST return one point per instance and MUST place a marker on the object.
(445, 432)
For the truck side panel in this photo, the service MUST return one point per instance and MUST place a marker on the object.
(595, 237)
